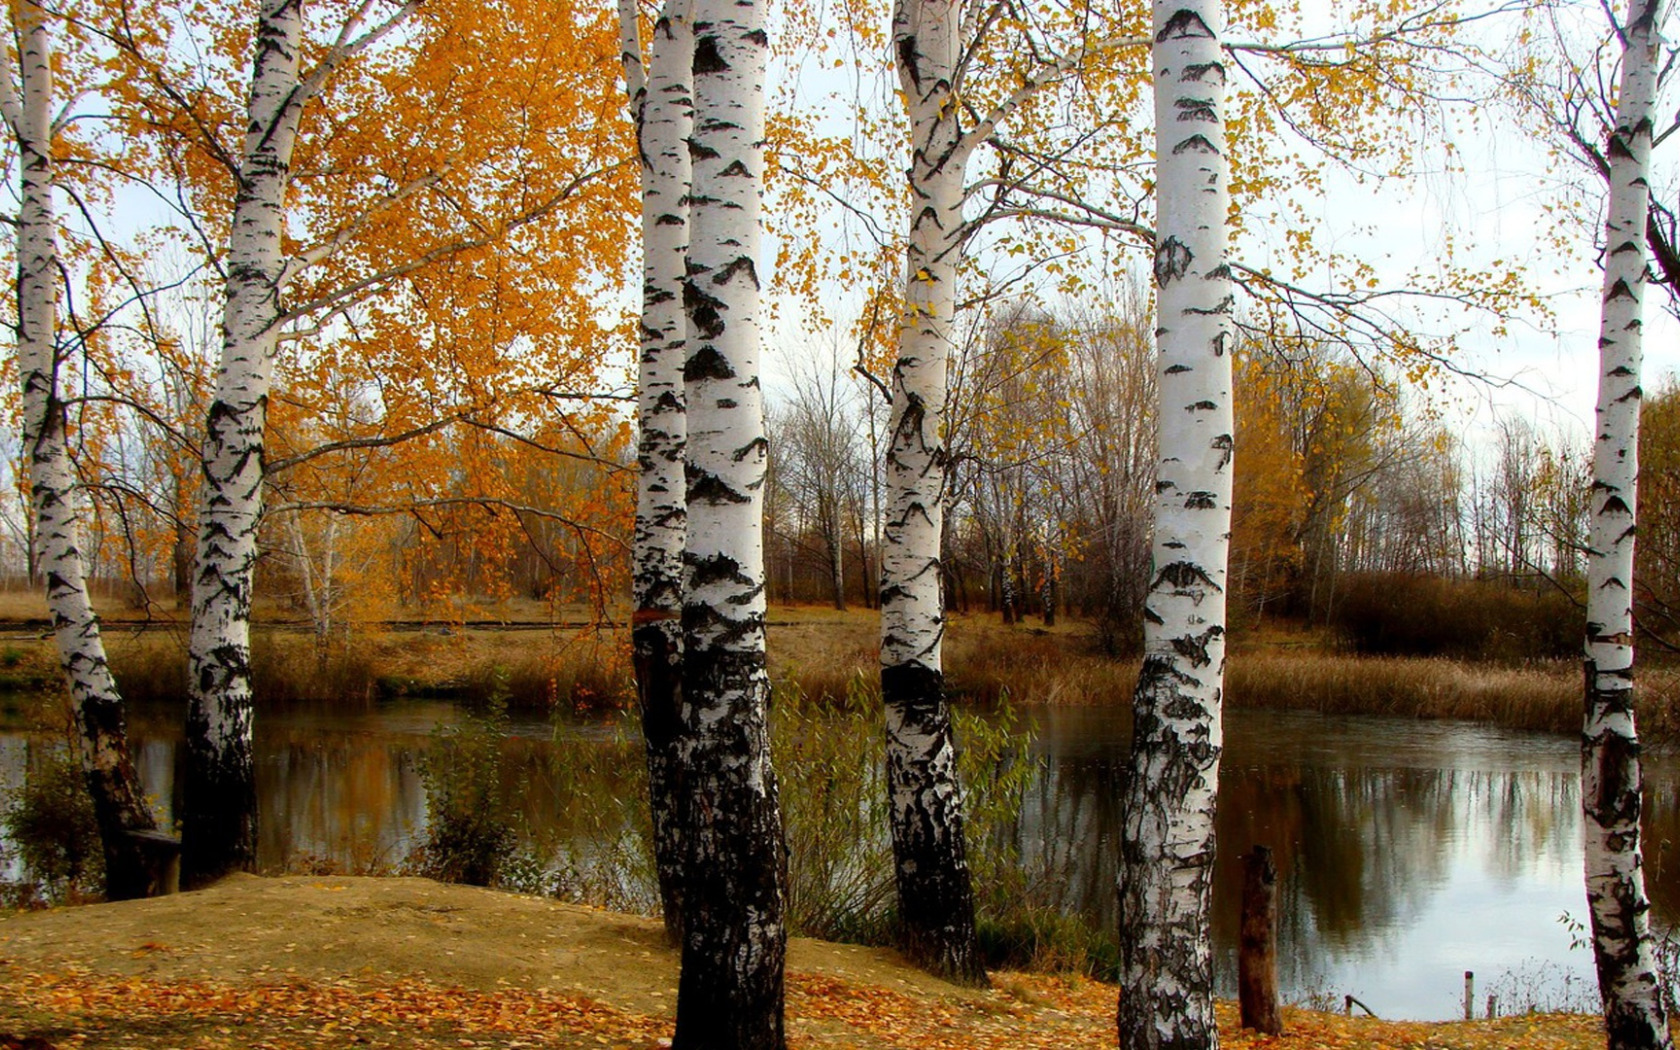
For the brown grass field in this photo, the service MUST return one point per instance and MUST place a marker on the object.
(545, 655)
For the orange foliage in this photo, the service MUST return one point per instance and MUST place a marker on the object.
(462, 204)
(1022, 1012)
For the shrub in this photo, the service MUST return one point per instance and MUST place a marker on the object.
(1395, 614)
(472, 827)
(829, 758)
(51, 824)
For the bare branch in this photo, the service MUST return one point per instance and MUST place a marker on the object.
(350, 444)
(488, 503)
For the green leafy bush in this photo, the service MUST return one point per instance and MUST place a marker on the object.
(829, 766)
(473, 828)
(51, 825)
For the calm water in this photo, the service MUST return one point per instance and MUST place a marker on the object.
(1409, 852)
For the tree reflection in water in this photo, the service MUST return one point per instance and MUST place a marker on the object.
(1407, 851)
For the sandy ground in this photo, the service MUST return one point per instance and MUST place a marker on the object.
(251, 932)
(344, 963)
(322, 928)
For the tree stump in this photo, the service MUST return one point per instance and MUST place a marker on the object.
(1257, 989)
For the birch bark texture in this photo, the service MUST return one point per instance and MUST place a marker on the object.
(730, 993)
(925, 804)
(1167, 840)
(662, 109)
(219, 803)
(1610, 771)
(96, 705)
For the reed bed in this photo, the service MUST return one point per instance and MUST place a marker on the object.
(829, 656)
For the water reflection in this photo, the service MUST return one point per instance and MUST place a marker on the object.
(1408, 852)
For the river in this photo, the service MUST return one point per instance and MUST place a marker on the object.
(1409, 852)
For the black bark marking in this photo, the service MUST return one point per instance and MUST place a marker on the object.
(707, 363)
(707, 58)
(1183, 574)
(907, 59)
(736, 170)
(705, 312)
(1199, 501)
(1172, 260)
(757, 37)
(706, 487)
(1198, 71)
(718, 568)
(1195, 647)
(1619, 290)
(1173, 370)
(1197, 109)
(1222, 307)
(1196, 144)
(1225, 445)
(1200, 406)
(758, 445)
(1183, 23)
(743, 264)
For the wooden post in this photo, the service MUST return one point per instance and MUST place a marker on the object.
(1257, 988)
(161, 859)
(1469, 995)
(1493, 1007)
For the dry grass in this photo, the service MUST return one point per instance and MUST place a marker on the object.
(831, 654)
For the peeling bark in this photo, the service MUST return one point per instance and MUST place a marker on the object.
(100, 720)
(730, 993)
(1610, 773)
(1167, 843)
(662, 106)
(219, 796)
(936, 901)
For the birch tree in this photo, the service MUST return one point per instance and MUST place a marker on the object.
(426, 241)
(1628, 981)
(935, 897)
(1167, 843)
(662, 107)
(730, 993)
(26, 102)
(219, 797)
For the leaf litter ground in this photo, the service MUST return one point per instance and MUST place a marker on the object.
(307, 962)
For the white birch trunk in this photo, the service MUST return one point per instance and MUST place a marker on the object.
(730, 993)
(936, 900)
(1167, 845)
(662, 107)
(219, 814)
(1610, 774)
(101, 723)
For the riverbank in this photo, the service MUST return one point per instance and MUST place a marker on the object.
(817, 652)
(330, 962)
